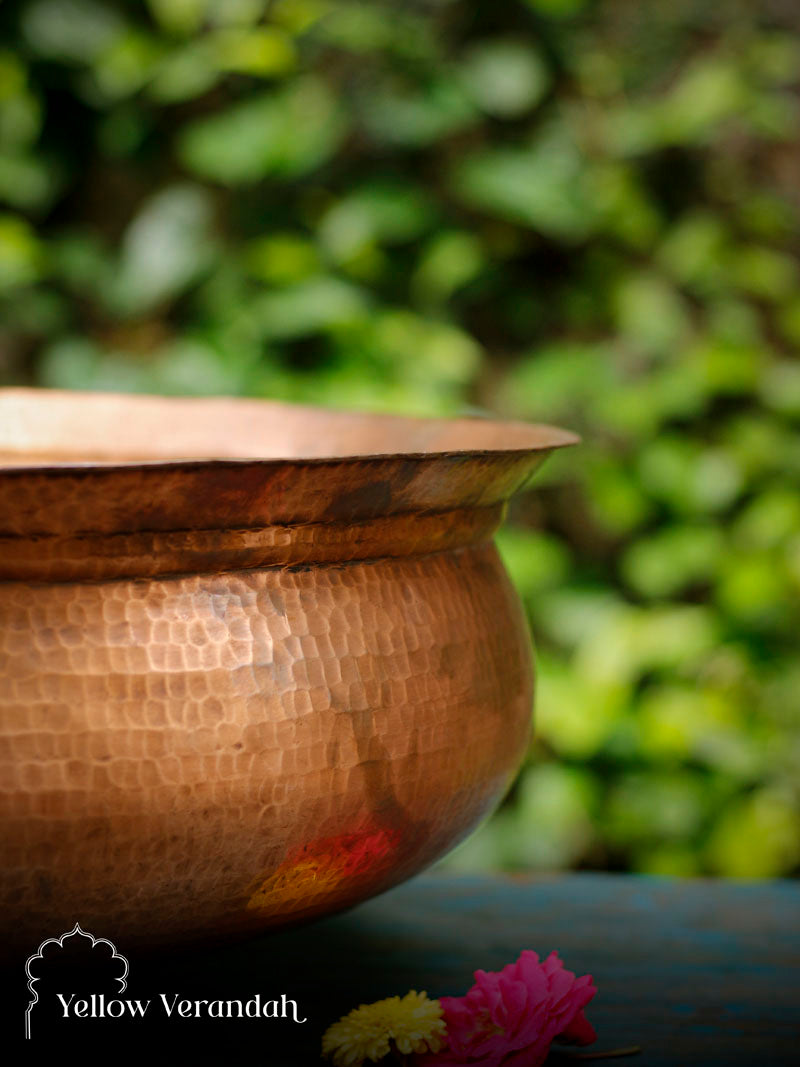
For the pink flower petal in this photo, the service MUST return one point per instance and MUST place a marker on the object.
(510, 1017)
(579, 1032)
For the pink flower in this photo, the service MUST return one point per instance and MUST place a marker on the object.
(509, 1018)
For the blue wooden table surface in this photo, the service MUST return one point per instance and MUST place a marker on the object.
(693, 971)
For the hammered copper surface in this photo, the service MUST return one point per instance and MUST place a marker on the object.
(244, 692)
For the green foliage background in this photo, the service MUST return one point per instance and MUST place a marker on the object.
(584, 213)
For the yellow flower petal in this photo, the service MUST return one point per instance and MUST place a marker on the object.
(412, 1023)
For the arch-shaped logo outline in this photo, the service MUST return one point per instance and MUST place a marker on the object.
(76, 929)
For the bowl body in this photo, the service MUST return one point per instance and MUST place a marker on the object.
(257, 663)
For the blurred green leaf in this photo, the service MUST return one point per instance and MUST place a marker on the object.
(736, 325)
(185, 72)
(75, 30)
(766, 215)
(422, 351)
(689, 478)
(307, 307)
(680, 722)
(82, 262)
(576, 714)
(381, 213)
(553, 818)
(504, 77)
(622, 204)
(534, 560)
(617, 497)
(75, 363)
(694, 251)
(21, 254)
(761, 446)
(166, 247)
(780, 387)
(286, 134)
(769, 519)
(655, 807)
(729, 367)
(663, 638)
(557, 381)
(765, 272)
(396, 115)
(127, 65)
(673, 558)
(179, 16)
(541, 186)
(774, 57)
(364, 28)
(451, 260)
(752, 589)
(20, 111)
(236, 12)
(710, 91)
(27, 182)
(189, 367)
(262, 52)
(650, 313)
(757, 837)
(282, 258)
(789, 321)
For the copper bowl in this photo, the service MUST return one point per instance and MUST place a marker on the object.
(258, 662)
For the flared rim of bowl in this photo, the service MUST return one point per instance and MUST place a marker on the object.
(87, 491)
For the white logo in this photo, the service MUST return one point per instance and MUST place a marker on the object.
(76, 929)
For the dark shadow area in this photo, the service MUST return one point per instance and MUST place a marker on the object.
(693, 971)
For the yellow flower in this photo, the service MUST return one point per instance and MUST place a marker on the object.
(412, 1023)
